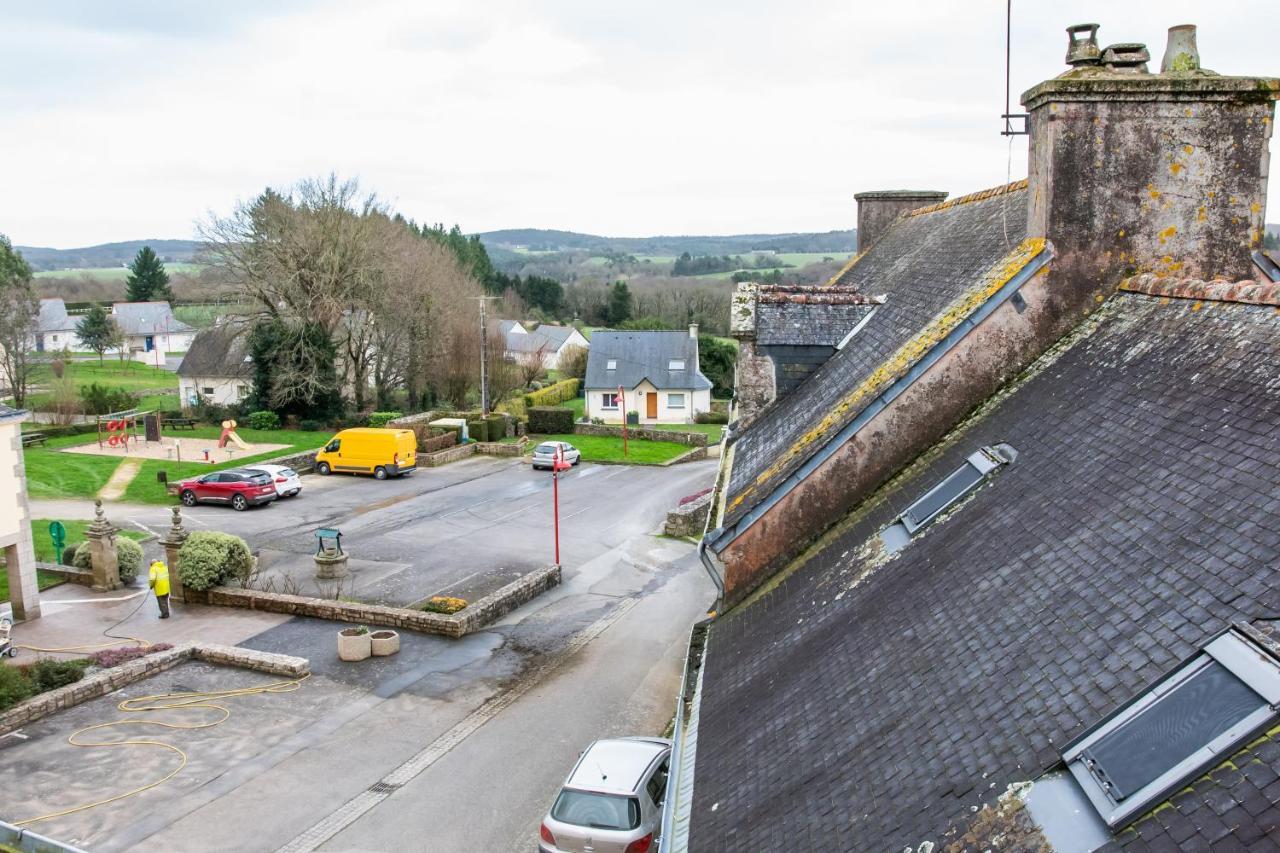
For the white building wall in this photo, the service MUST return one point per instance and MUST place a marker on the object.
(11, 511)
(637, 401)
(219, 391)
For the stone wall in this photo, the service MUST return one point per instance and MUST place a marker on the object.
(689, 519)
(303, 463)
(494, 448)
(444, 457)
(70, 574)
(476, 615)
(688, 439)
(116, 677)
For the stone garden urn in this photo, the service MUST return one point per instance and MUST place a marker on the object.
(354, 644)
(384, 643)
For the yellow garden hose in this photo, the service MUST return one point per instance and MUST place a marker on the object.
(162, 702)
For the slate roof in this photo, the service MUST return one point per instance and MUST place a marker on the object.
(147, 318)
(218, 352)
(556, 335)
(508, 327)
(641, 356)
(922, 264)
(8, 412)
(53, 316)
(861, 703)
(793, 315)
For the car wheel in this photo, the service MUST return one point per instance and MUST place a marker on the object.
(379, 473)
(323, 469)
(239, 504)
(189, 498)
(575, 462)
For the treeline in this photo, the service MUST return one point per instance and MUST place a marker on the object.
(688, 264)
(537, 239)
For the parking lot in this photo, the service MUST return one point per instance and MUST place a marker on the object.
(500, 715)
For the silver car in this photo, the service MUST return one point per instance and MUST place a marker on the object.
(544, 455)
(612, 801)
(287, 481)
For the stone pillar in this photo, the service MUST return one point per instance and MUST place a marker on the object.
(102, 546)
(753, 379)
(878, 210)
(15, 527)
(172, 541)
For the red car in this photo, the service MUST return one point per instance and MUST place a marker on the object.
(236, 486)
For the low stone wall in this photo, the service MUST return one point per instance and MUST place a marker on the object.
(116, 677)
(303, 463)
(689, 456)
(444, 457)
(494, 448)
(69, 574)
(690, 519)
(476, 615)
(689, 439)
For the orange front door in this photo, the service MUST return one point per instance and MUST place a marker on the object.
(652, 405)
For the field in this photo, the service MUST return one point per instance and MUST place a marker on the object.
(159, 388)
(53, 474)
(115, 273)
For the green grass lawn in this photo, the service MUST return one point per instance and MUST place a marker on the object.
(577, 405)
(711, 431)
(44, 580)
(598, 448)
(132, 375)
(51, 474)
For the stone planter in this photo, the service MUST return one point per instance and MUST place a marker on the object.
(384, 643)
(353, 646)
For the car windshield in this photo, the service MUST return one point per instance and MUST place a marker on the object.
(600, 811)
(546, 448)
(287, 472)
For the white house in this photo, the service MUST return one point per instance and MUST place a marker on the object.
(546, 343)
(657, 371)
(150, 330)
(217, 367)
(55, 329)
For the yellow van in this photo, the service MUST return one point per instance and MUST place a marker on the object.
(381, 452)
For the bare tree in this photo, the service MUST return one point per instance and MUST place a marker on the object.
(533, 363)
(19, 313)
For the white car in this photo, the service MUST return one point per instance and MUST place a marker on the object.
(612, 801)
(544, 455)
(287, 481)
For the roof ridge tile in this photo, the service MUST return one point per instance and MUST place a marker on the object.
(1216, 290)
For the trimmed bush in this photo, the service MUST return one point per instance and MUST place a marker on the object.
(208, 559)
(553, 394)
(380, 419)
(307, 425)
(264, 420)
(14, 687)
(49, 674)
(711, 418)
(478, 430)
(547, 420)
(128, 557)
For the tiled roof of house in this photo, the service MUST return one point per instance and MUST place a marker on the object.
(53, 316)
(930, 266)
(221, 352)
(643, 355)
(866, 702)
(794, 315)
(147, 318)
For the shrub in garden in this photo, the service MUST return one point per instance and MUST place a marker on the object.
(444, 604)
(264, 420)
(307, 425)
(711, 418)
(107, 658)
(102, 399)
(478, 430)
(49, 674)
(380, 419)
(546, 420)
(14, 687)
(208, 559)
(557, 392)
(128, 557)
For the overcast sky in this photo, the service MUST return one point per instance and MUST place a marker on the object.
(129, 119)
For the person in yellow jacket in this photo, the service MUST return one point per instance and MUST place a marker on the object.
(159, 581)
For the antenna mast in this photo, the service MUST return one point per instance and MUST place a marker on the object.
(1008, 75)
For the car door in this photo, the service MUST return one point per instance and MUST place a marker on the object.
(656, 791)
(206, 487)
(224, 486)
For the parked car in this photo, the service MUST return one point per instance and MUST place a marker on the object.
(612, 800)
(240, 487)
(544, 455)
(367, 450)
(287, 481)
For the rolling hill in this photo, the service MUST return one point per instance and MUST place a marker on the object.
(106, 255)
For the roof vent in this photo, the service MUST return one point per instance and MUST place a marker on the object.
(1181, 56)
(1128, 57)
(1082, 45)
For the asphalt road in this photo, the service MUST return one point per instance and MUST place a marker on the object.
(463, 743)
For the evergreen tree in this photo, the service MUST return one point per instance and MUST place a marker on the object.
(96, 331)
(619, 303)
(147, 281)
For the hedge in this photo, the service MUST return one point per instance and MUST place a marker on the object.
(379, 419)
(478, 430)
(711, 418)
(553, 394)
(128, 557)
(208, 559)
(548, 420)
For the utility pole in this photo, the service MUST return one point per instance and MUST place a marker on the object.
(484, 355)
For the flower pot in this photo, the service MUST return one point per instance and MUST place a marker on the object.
(384, 643)
(353, 646)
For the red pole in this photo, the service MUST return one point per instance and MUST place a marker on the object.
(555, 498)
(622, 405)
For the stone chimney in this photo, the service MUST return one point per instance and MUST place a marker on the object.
(753, 379)
(1134, 172)
(693, 331)
(878, 210)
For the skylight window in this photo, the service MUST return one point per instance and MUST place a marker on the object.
(675, 364)
(611, 365)
(937, 500)
(1187, 721)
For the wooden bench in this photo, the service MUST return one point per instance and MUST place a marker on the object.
(30, 438)
(176, 423)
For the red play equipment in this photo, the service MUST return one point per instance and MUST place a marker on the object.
(117, 428)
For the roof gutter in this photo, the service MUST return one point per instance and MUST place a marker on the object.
(725, 536)
(721, 482)
(674, 833)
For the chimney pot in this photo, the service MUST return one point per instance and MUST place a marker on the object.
(693, 331)
(1181, 56)
(1082, 45)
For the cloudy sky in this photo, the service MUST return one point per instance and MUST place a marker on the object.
(131, 119)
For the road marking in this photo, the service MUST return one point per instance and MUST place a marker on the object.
(142, 526)
(579, 512)
(365, 801)
(466, 508)
(458, 582)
